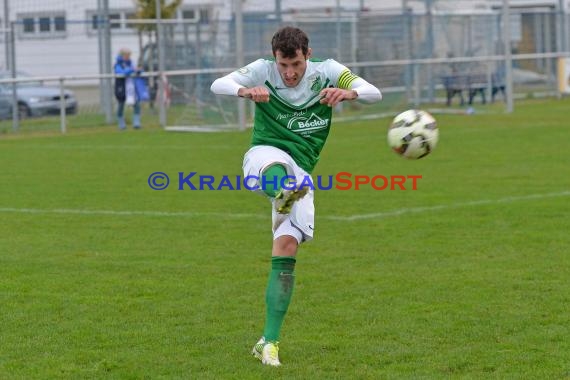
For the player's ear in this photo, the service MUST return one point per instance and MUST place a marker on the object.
(309, 53)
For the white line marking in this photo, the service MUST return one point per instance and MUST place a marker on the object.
(118, 147)
(190, 214)
(415, 210)
(229, 215)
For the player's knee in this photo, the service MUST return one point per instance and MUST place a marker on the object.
(285, 245)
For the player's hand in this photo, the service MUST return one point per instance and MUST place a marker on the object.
(332, 96)
(258, 94)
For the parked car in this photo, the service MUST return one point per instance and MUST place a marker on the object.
(36, 99)
(5, 107)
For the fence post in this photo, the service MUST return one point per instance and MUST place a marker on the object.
(417, 85)
(62, 106)
(560, 41)
(408, 41)
(430, 44)
(489, 76)
(100, 47)
(240, 57)
(107, 66)
(508, 55)
(7, 33)
(565, 31)
(562, 33)
(160, 49)
(15, 107)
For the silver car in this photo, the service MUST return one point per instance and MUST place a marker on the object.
(35, 99)
(5, 107)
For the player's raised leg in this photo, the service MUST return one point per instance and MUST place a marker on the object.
(272, 179)
(286, 198)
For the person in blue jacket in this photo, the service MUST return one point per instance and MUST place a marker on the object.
(123, 89)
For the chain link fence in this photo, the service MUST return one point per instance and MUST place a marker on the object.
(449, 61)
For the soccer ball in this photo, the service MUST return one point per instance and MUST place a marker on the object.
(413, 134)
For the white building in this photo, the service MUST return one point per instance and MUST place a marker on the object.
(60, 37)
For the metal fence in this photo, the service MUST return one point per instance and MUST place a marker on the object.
(451, 61)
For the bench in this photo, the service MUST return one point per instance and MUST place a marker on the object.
(473, 84)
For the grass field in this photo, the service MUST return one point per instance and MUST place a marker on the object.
(465, 277)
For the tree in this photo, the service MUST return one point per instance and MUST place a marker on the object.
(146, 10)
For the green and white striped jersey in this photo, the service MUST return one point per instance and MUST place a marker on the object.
(293, 120)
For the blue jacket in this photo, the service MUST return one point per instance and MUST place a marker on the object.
(122, 67)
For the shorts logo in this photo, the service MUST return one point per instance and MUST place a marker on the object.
(243, 70)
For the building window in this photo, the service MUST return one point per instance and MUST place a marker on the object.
(201, 15)
(59, 23)
(94, 22)
(42, 25)
(118, 21)
(29, 25)
(115, 20)
(130, 16)
(204, 16)
(189, 14)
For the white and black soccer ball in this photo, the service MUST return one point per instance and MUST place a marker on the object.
(413, 134)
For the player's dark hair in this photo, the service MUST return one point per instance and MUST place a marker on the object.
(288, 40)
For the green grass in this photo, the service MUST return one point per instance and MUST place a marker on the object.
(466, 277)
(91, 117)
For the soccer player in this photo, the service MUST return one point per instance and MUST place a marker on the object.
(294, 98)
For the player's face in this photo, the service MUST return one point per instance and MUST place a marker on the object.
(291, 69)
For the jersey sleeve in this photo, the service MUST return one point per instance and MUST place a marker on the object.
(339, 74)
(253, 74)
(342, 77)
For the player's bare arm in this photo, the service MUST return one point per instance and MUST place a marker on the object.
(258, 94)
(357, 89)
(333, 96)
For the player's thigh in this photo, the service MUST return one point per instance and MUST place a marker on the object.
(259, 158)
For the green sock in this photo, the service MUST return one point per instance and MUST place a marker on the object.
(278, 295)
(273, 176)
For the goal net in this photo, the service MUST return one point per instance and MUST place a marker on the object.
(192, 107)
